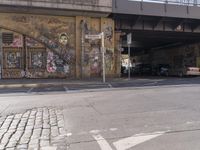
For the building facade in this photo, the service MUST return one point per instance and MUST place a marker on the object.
(43, 44)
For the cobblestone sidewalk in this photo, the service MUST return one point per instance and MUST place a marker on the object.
(35, 129)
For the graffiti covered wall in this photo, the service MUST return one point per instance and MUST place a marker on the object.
(55, 46)
(57, 34)
(90, 50)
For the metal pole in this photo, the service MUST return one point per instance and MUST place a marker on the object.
(103, 57)
(129, 68)
(1, 54)
(82, 52)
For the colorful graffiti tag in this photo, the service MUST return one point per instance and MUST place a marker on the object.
(13, 60)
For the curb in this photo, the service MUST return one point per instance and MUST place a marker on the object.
(27, 85)
(18, 85)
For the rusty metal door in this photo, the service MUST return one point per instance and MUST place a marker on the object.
(12, 62)
(23, 63)
(36, 62)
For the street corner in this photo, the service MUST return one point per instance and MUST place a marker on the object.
(35, 129)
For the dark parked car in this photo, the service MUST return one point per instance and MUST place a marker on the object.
(142, 69)
(161, 70)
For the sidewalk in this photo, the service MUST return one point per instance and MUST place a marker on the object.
(32, 83)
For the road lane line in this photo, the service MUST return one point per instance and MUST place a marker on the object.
(129, 142)
(113, 129)
(69, 134)
(29, 91)
(104, 145)
(95, 131)
(66, 88)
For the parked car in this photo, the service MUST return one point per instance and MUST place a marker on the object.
(124, 70)
(142, 69)
(185, 71)
(161, 70)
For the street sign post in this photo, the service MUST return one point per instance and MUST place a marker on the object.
(93, 36)
(129, 41)
(103, 57)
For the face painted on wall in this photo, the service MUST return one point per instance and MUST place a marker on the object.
(63, 39)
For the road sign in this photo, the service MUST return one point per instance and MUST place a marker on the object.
(93, 36)
(129, 39)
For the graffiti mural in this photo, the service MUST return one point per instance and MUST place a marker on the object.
(11, 74)
(109, 60)
(108, 29)
(37, 60)
(13, 60)
(51, 65)
(55, 64)
(30, 42)
(61, 37)
(108, 33)
(12, 39)
(95, 64)
(55, 33)
(92, 48)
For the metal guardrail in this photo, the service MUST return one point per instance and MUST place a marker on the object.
(175, 2)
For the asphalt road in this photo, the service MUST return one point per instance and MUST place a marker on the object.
(153, 117)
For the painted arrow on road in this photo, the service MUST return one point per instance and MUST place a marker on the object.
(126, 143)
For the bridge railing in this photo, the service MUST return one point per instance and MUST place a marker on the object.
(88, 5)
(91, 2)
(175, 2)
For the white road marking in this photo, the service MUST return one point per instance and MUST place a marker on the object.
(104, 145)
(48, 148)
(190, 122)
(69, 134)
(113, 129)
(66, 88)
(95, 131)
(129, 142)
(29, 91)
